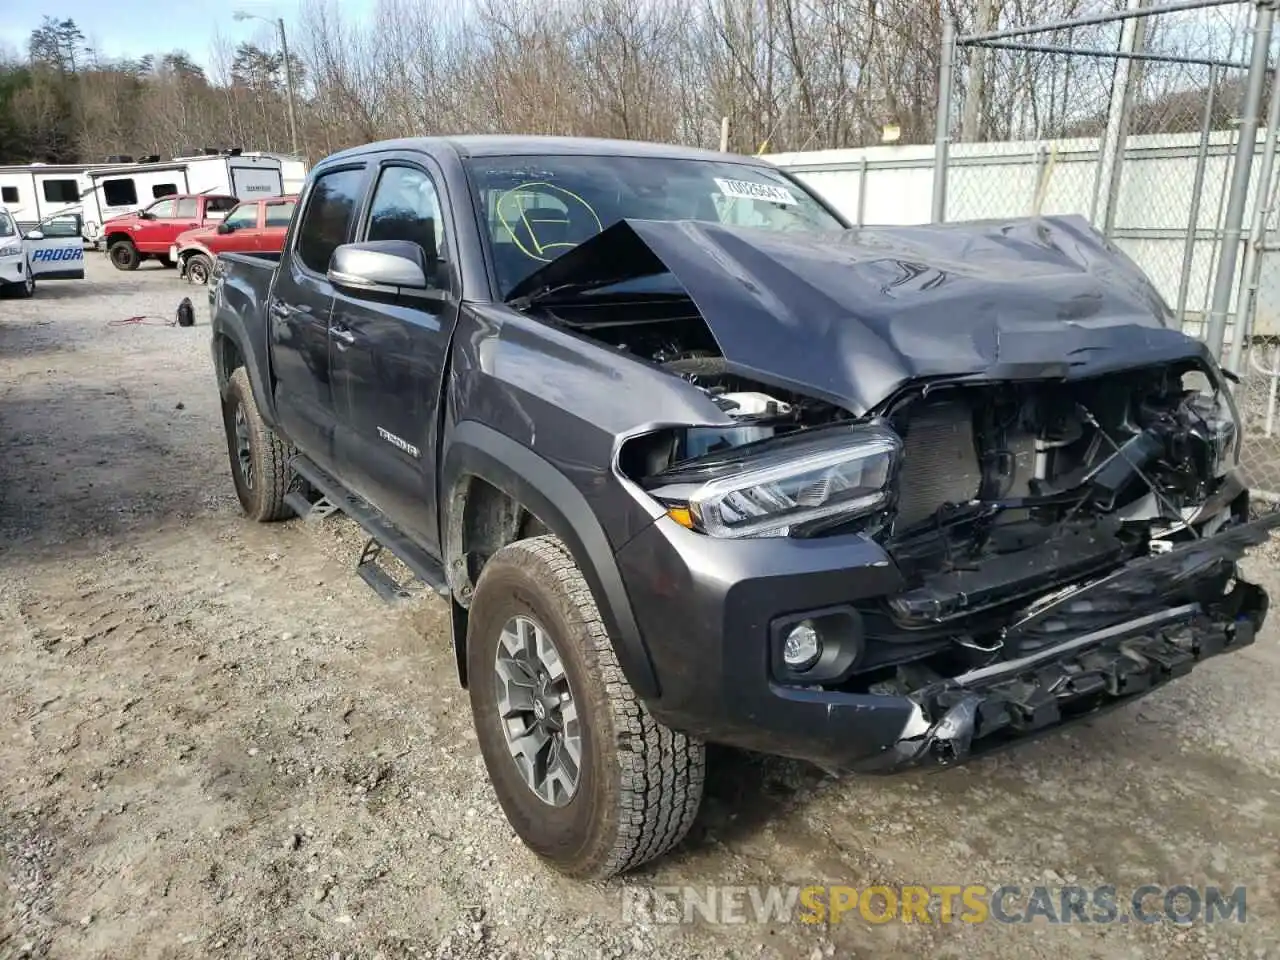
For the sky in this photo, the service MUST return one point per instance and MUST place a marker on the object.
(131, 28)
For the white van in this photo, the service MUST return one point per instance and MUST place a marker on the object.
(52, 250)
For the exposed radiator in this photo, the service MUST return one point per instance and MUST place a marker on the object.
(939, 461)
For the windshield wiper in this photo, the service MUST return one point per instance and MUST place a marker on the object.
(572, 288)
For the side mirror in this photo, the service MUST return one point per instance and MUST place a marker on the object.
(380, 266)
(145, 215)
(225, 227)
(34, 235)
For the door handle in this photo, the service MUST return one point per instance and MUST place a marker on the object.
(279, 310)
(343, 334)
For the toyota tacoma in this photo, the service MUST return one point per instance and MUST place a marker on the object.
(693, 460)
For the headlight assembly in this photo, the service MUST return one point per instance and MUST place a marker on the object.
(771, 487)
(11, 250)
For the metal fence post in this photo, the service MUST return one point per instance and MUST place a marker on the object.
(1224, 282)
(1108, 186)
(1197, 187)
(946, 71)
(1245, 297)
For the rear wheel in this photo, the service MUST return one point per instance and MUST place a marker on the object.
(199, 268)
(587, 778)
(259, 459)
(124, 255)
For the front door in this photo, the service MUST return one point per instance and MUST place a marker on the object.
(239, 231)
(298, 312)
(55, 249)
(387, 360)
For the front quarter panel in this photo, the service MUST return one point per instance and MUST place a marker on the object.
(539, 413)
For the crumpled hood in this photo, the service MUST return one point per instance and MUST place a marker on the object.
(852, 316)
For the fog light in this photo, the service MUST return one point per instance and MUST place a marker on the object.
(802, 646)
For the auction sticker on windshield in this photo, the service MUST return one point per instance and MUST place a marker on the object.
(747, 190)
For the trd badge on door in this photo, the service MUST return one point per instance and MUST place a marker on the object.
(404, 445)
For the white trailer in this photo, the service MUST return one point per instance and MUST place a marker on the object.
(293, 170)
(126, 188)
(35, 192)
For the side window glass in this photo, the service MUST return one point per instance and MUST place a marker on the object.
(163, 210)
(187, 208)
(216, 207)
(406, 207)
(326, 221)
(245, 215)
(279, 214)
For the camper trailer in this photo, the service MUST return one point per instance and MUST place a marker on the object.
(35, 192)
(122, 189)
(293, 169)
(94, 193)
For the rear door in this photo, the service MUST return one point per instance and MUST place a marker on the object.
(275, 224)
(387, 357)
(298, 309)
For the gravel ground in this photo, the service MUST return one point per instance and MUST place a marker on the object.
(216, 742)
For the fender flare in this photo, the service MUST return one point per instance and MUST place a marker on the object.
(479, 451)
(232, 328)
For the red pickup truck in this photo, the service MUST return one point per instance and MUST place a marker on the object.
(255, 226)
(149, 233)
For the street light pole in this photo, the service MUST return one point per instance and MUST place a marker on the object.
(288, 71)
(288, 81)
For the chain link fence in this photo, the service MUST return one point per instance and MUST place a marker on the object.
(1145, 117)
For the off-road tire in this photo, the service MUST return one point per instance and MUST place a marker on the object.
(124, 255)
(198, 268)
(640, 783)
(263, 498)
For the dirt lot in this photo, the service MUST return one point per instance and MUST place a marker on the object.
(216, 742)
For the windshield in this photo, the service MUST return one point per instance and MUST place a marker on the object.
(7, 228)
(537, 208)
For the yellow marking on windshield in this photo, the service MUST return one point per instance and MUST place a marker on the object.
(521, 214)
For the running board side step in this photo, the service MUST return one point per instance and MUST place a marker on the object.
(382, 533)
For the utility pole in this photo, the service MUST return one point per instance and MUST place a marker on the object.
(288, 70)
(288, 82)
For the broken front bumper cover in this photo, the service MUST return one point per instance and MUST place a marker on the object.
(1007, 702)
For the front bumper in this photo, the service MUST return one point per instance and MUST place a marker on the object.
(13, 271)
(705, 608)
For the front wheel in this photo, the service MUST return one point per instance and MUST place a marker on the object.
(28, 288)
(124, 255)
(259, 459)
(198, 268)
(588, 779)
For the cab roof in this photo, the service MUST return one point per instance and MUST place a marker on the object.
(501, 145)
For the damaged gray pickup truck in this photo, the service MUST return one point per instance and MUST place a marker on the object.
(693, 460)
